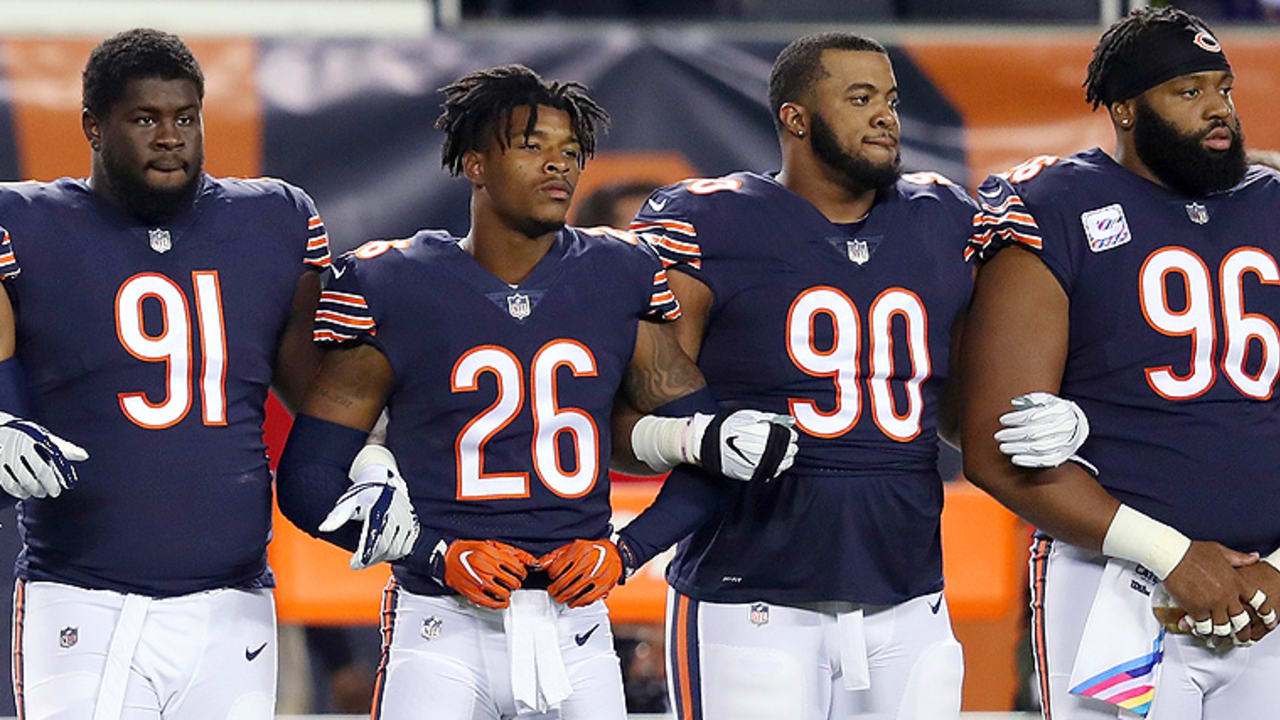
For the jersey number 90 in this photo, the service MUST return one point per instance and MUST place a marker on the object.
(840, 361)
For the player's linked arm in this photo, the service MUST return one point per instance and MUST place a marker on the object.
(695, 306)
(34, 463)
(298, 357)
(949, 404)
(1015, 347)
(340, 406)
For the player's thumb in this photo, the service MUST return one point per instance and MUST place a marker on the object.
(1239, 559)
(340, 515)
(69, 450)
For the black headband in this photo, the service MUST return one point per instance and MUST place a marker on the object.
(1159, 54)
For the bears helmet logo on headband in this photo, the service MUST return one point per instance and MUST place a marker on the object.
(1207, 41)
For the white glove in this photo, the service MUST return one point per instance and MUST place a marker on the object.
(379, 498)
(1044, 431)
(33, 461)
(742, 444)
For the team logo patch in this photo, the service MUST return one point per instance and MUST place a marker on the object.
(518, 306)
(759, 614)
(1207, 41)
(1198, 213)
(1106, 228)
(431, 628)
(161, 242)
(68, 637)
(857, 251)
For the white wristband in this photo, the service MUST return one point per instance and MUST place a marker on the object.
(372, 454)
(1146, 541)
(1273, 559)
(660, 442)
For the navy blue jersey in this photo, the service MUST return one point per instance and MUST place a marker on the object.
(502, 395)
(152, 347)
(1173, 349)
(847, 327)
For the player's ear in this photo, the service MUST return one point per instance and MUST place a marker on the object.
(92, 128)
(1124, 113)
(794, 119)
(473, 166)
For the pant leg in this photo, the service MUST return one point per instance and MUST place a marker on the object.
(746, 661)
(1064, 580)
(212, 655)
(586, 644)
(433, 660)
(61, 635)
(916, 666)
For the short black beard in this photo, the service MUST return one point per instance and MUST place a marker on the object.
(147, 203)
(859, 174)
(1181, 162)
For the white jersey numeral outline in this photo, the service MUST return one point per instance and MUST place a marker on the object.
(173, 347)
(549, 421)
(841, 361)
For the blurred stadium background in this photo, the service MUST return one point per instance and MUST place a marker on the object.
(338, 96)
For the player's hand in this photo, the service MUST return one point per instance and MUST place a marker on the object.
(582, 571)
(744, 444)
(379, 499)
(1043, 431)
(486, 571)
(1262, 607)
(33, 461)
(1207, 585)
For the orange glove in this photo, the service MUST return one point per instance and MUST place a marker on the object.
(582, 571)
(485, 571)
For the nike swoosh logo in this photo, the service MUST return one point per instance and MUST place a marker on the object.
(936, 606)
(599, 560)
(462, 558)
(735, 449)
(250, 655)
(582, 638)
(337, 271)
(657, 206)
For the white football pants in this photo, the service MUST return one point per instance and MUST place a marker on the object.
(101, 655)
(1195, 683)
(759, 661)
(445, 658)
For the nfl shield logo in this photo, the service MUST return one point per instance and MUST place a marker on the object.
(431, 628)
(759, 614)
(857, 251)
(160, 240)
(1198, 213)
(68, 637)
(518, 306)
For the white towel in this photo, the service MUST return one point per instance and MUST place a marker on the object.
(539, 681)
(124, 641)
(853, 650)
(1123, 643)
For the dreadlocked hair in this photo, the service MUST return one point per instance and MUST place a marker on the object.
(482, 101)
(1119, 39)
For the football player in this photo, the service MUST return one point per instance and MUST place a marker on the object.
(152, 307)
(1140, 284)
(498, 356)
(830, 290)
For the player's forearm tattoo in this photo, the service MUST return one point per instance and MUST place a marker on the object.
(666, 374)
(335, 397)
